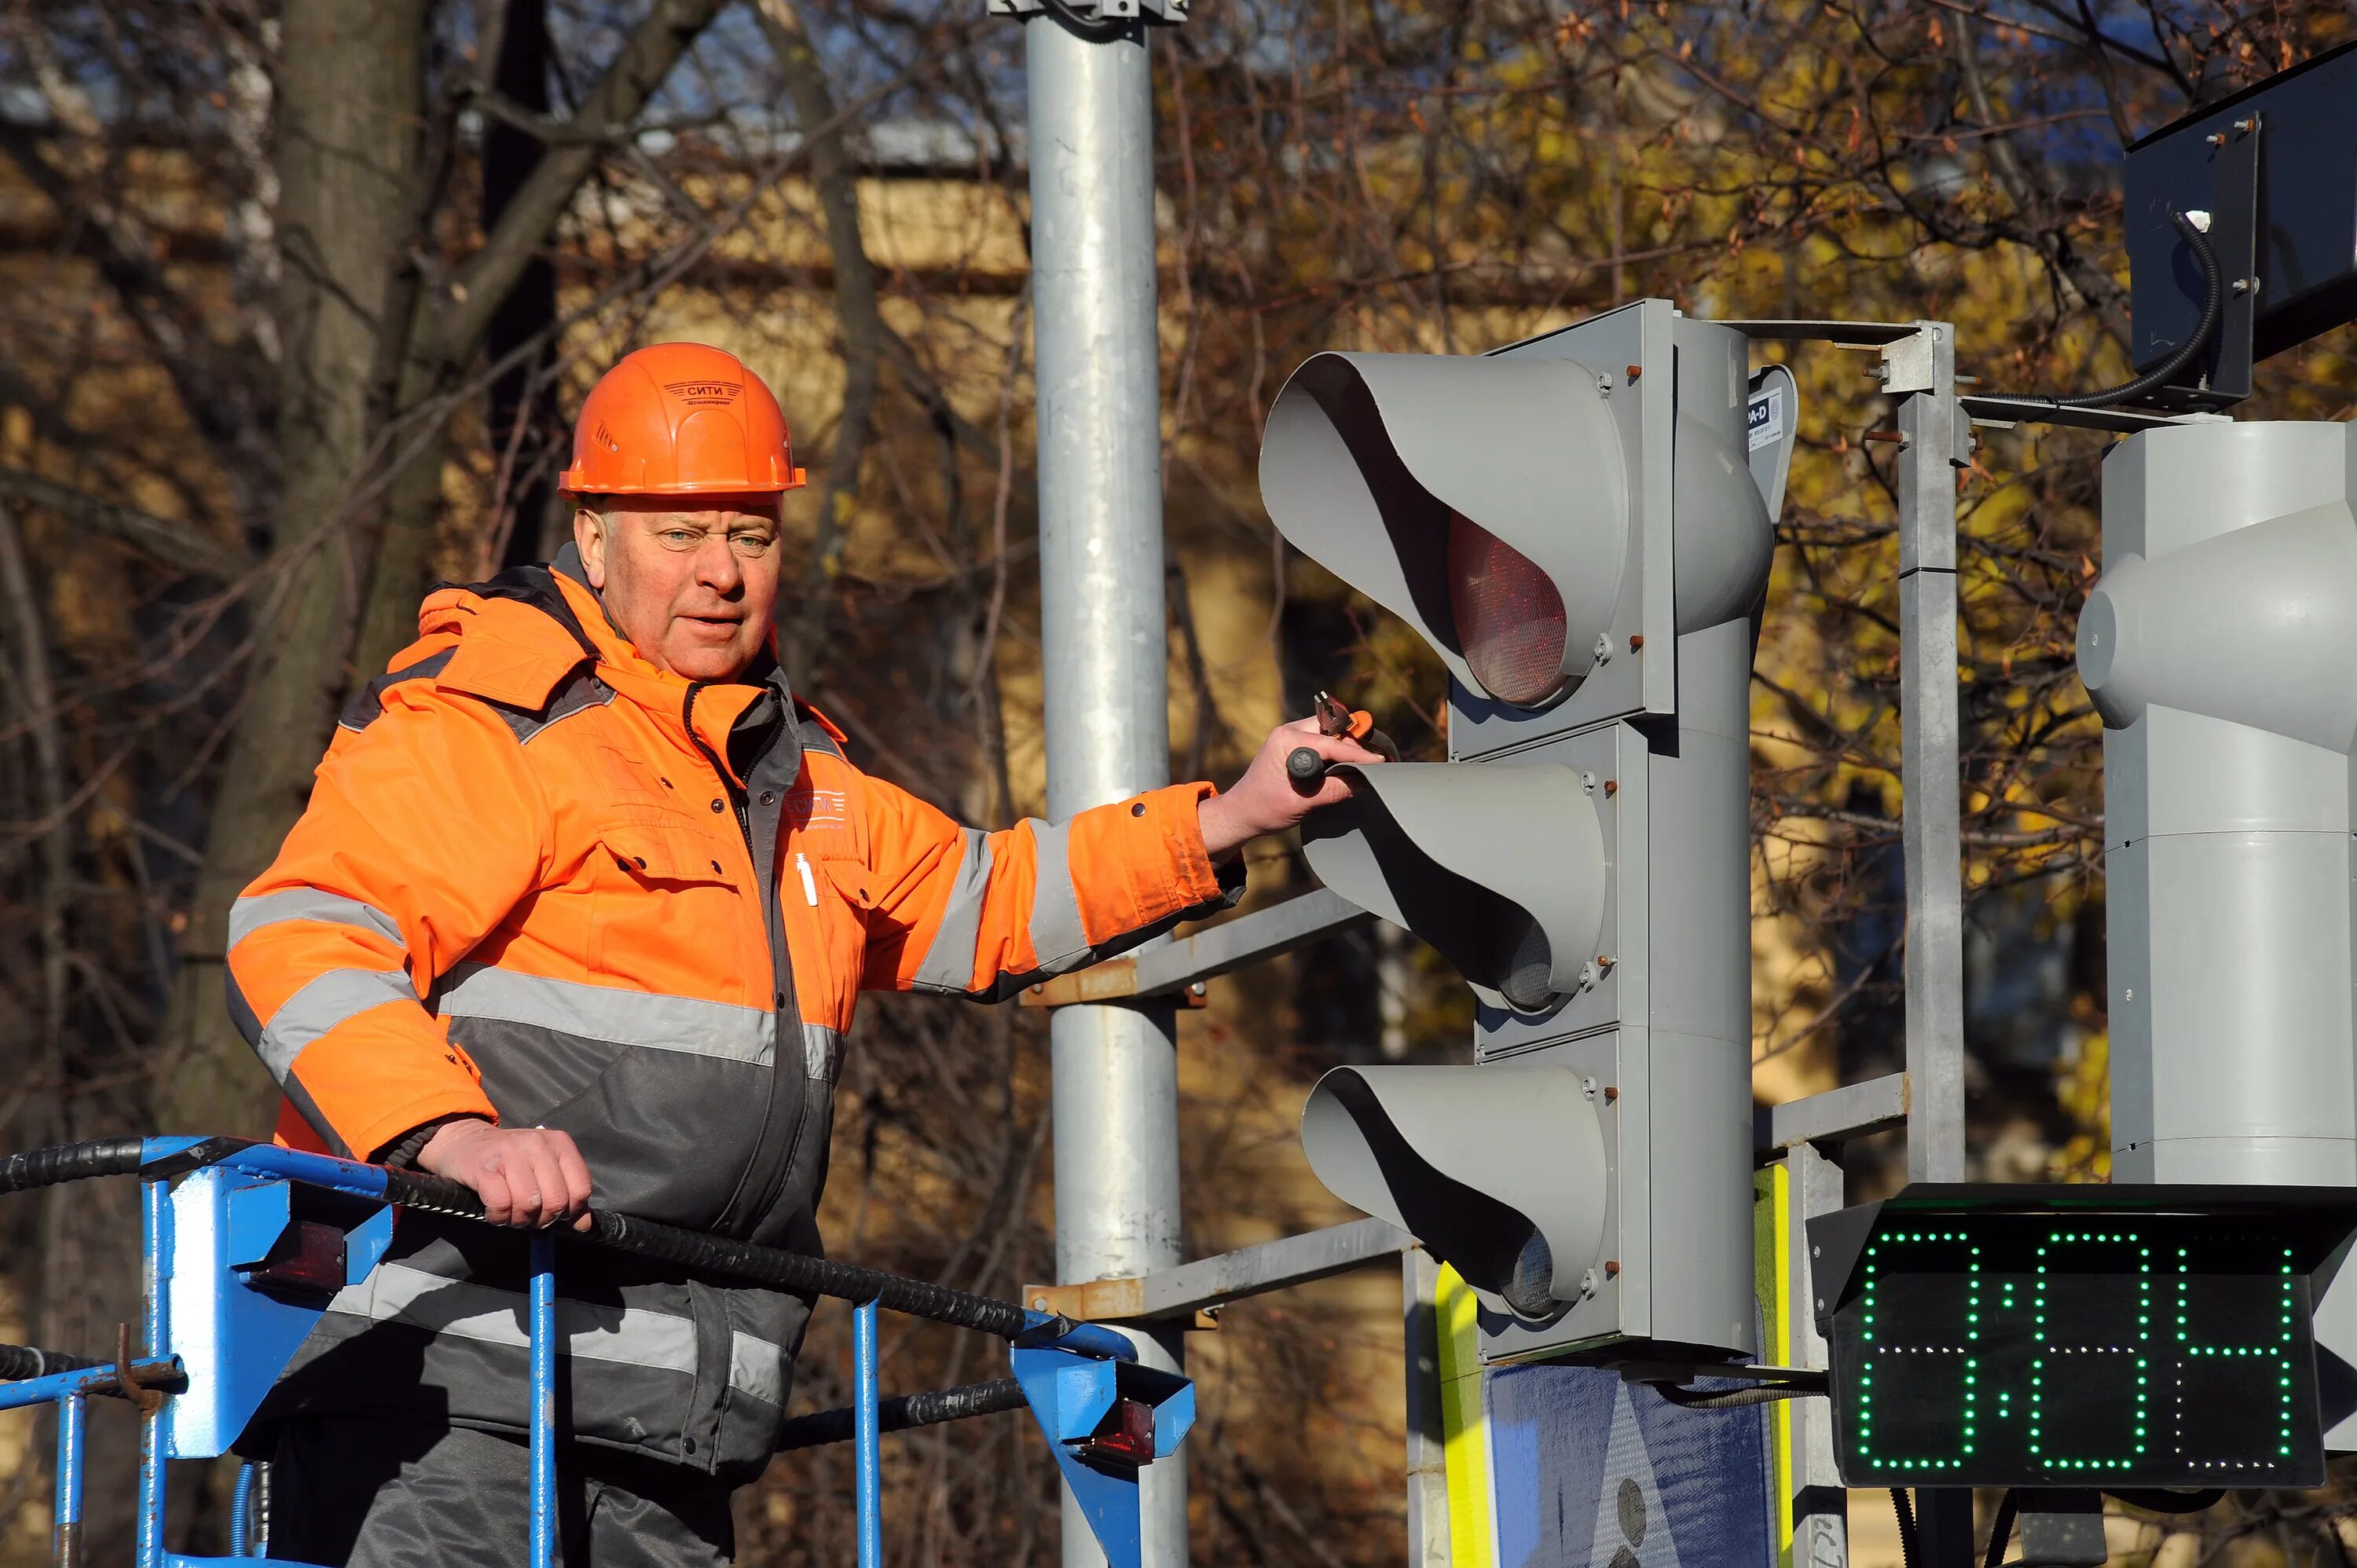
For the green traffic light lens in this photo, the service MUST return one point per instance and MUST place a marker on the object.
(1510, 618)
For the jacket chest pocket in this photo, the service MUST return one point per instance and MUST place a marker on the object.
(666, 911)
(828, 902)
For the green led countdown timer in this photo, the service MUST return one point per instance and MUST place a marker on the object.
(2078, 1337)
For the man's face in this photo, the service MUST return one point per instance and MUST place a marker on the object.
(693, 590)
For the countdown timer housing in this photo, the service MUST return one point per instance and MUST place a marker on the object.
(1994, 1336)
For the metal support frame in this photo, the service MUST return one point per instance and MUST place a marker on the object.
(1935, 442)
(1209, 1284)
(1183, 966)
(1833, 1116)
(867, 1434)
(65, 1532)
(541, 1545)
(238, 1323)
(1104, 638)
(1428, 1436)
(1810, 1186)
(1919, 370)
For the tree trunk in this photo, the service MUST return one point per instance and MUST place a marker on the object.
(805, 624)
(453, 320)
(520, 435)
(352, 99)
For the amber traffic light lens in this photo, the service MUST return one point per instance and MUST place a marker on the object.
(1510, 619)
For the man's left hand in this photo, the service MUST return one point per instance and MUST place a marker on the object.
(1266, 800)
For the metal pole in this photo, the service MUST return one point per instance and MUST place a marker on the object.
(1102, 622)
(1921, 371)
(1427, 1439)
(543, 1531)
(867, 1451)
(156, 1225)
(66, 1534)
(1932, 431)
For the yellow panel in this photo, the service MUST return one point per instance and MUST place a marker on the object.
(1464, 1426)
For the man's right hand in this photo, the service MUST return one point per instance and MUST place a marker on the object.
(526, 1176)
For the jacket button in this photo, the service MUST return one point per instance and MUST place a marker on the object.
(669, 785)
(1138, 809)
(688, 1445)
(716, 867)
(641, 862)
(717, 806)
(778, 1001)
(769, 797)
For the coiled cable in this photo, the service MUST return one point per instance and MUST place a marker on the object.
(61, 1163)
(2213, 306)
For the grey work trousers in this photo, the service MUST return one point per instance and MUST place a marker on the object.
(352, 1493)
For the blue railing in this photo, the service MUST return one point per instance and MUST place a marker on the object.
(220, 1324)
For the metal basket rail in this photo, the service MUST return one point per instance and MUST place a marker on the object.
(1105, 1415)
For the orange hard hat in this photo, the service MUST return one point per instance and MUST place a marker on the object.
(681, 419)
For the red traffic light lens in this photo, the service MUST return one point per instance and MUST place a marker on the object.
(1510, 619)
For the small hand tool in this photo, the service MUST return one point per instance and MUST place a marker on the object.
(1307, 768)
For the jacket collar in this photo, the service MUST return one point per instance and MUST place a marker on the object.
(756, 697)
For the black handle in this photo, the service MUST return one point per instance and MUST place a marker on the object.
(1305, 767)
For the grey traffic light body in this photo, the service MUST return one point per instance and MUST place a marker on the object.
(1590, 875)
(2220, 647)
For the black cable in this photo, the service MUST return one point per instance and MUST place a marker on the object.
(626, 1233)
(70, 1162)
(1906, 1512)
(2213, 305)
(1088, 29)
(904, 1414)
(794, 1272)
(2007, 1507)
(18, 1362)
(741, 1259)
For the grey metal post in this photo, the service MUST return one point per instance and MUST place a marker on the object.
(1812, 1186)
(1921, 371)
(1934, 437)
(1101, 627)
(1427, 1443)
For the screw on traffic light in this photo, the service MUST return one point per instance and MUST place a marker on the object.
(1579, 527)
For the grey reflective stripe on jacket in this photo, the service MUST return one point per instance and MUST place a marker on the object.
(615, 1014)
(329, 997)
(1058, 939)
(1060, 943)
(693, 1372)
(622, 1335)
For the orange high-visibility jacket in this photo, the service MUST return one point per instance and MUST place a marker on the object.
(543, 881)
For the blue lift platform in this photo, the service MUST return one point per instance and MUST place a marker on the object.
(246, 1244)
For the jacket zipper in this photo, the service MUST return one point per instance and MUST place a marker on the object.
(786, 1010)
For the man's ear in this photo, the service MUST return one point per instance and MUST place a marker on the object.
(589, 538)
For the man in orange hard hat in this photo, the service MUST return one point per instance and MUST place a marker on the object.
(579, 910)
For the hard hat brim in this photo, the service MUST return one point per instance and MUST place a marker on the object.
(568, 485)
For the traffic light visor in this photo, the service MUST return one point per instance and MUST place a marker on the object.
(1484, 501)
(1500, 867)
(1498, 1171)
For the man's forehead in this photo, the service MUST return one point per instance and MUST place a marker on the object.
(716, 509)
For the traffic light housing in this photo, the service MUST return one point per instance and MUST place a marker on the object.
(2217, 647)
(1579, 527)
